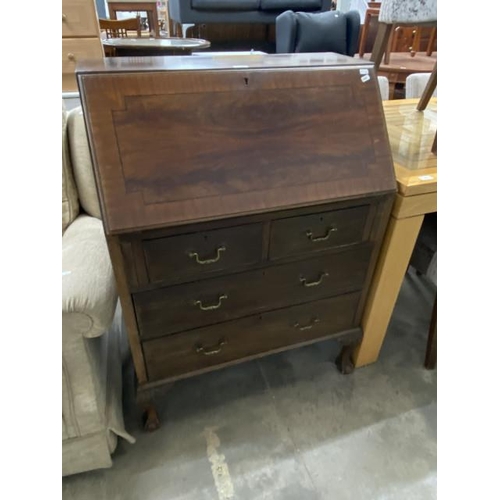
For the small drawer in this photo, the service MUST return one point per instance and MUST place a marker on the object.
(236, 340)
(74, 50)
(169, 310)
(79, 18)
(321, 231)
(179, 258)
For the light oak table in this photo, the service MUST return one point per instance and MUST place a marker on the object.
(411, 134)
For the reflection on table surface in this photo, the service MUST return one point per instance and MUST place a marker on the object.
(156, 42)
(411, 134)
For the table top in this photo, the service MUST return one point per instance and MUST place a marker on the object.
(157, 43)
(411, 134)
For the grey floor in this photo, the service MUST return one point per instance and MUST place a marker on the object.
(290, 427)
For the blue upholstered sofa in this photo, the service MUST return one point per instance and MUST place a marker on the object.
(189, 12)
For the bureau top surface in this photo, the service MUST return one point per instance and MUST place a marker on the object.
(239, 136)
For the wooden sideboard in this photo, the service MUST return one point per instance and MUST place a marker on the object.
(81, 38)
(244, 200)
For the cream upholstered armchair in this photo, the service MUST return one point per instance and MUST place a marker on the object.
(92, 343)
(416, 84)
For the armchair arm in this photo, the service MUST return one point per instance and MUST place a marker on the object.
(286, 32)
(353, 21)
(89, 294)
(180, 10)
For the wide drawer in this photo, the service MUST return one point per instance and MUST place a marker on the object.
(198, 254)
(79, 18)
(173, 309)
(210, 346)
(321, 231)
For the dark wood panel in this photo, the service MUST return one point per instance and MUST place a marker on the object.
(174, 147)
(178, 258)
(214, 345)
(249, 219)
(173, 309)
(321, 231)
(116, 255)
(381, 213)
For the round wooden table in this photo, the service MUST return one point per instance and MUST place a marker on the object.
(134, 47)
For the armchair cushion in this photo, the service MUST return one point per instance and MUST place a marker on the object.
(89, 294)
(296, 5)
(415, 85)
(70, 206)
(82, 163)
(323, 32)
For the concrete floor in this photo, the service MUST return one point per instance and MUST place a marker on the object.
(290, 427)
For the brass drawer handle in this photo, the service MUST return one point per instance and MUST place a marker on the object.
(210, 308)
(71, 56)
(64, 18)
(209, 351)
(306, 327)
(313, 283)
(208, 261)
(329, 231)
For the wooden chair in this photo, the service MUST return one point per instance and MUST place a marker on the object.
(373, 10)
(432, 41)
(405, 13)
(401, 13)
(407, 36)
(120, 28)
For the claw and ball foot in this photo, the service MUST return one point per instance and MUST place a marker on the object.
(151, 420)
(344, 360)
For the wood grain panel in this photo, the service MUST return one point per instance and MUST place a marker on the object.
(232, 142)
(200, 253)
(79, 19)
(386, 283)
(215, 345)
(410, 206)
(321, 231)
(173, 309)
(73, 51)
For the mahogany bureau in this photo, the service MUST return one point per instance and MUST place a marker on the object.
(244, 201)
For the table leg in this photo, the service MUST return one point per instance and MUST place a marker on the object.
(428, 91)
(153, 22)
(392, 89)
(431, 351)
(391, 268)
